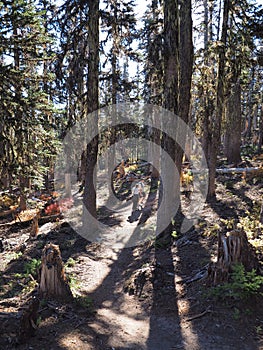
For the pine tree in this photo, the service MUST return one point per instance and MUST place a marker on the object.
(27, 134)
(71, 63)
(119, 32)
(152, 48)
(151, 44)
(119, 26)
(233, 55)
(92, 106)
(171, 194)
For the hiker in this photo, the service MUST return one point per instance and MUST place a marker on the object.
(142, 192)
(136, 196)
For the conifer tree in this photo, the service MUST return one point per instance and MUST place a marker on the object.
(119, 29)
(27, 134)
(219, 92)
(91, 108)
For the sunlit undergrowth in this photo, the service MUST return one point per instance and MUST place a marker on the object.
(242, 285)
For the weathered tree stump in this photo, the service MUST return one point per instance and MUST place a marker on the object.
(233, 248)
(19, 322)
(28, 320)
(18, 325)
(261, 214)
(53, 282)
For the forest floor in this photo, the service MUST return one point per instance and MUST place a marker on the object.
(143, 297)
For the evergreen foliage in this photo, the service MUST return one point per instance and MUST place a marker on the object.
(27, 132)
(44, 53)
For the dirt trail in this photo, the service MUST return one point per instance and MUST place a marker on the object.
(165, 311)
(161, 317)
(158, 315)
(142, 296)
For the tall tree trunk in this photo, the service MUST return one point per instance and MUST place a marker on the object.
(206, 95)
(19, 116)
(212, 157)
(186, 59)
(260, 139)
(233, 126)
(89, 196)
(251, 91)
(171, 193)
(261, 214)
(154, 87)
(111, 156)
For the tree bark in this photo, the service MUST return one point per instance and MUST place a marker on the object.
(260, 139)
(233, 126)
(68, 193)
(22, 197)
(34, 226)
(53, 282)
(186, 55)
(170, 197)
(89, 196)
(111, 156)
(261, 214)
(154, 86)
(220, 101)
(232, 249)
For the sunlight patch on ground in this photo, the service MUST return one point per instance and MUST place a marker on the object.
(190, 338)
(128, 329)
(117, 233)
(72, 341)
(183, 307)
(94, 276)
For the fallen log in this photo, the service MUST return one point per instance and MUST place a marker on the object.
(41, 221)
(238, 170)
(49, 218)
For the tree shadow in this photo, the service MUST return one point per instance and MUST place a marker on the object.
(241, 193)
(108, 217)
(165, 329)
(171, 293)
(225, 210)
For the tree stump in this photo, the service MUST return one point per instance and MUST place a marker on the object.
(18, 325)
(28, 320)
(233, 248)
(53, 282)
(261, 214)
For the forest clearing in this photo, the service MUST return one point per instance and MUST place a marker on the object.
(131, 175)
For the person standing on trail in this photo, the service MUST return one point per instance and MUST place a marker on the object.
(136, 195)
(141, 185)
